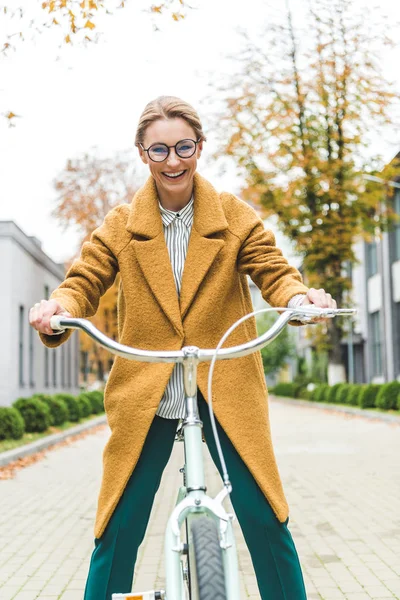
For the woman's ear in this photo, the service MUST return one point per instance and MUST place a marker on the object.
(199, 148)
(143, 154)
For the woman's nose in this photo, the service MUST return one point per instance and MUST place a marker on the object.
(173, 158)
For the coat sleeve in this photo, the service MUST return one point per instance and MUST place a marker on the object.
(260, 258)
(90, 276)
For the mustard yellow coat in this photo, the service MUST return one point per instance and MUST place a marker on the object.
(228, 242)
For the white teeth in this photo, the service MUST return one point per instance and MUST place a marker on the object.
(174, 174)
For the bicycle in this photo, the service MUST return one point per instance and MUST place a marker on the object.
(204, 567)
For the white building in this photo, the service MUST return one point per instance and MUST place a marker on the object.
(27, 367)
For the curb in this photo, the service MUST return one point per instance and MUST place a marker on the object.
(352, 410)
(48, 441)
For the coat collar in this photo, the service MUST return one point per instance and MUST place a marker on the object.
(151, 251)
(145, 220)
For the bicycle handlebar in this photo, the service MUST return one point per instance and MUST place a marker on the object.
(305, 313)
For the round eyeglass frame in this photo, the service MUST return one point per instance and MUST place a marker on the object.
(169, 148)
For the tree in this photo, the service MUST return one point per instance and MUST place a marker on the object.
(88, 188)
(297, 124)
(276, 354)
(76, 21)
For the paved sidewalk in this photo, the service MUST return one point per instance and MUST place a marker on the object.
(341, 476)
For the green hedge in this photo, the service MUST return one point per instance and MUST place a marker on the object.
(58, 408)
(385, 396)
(85, 406)
(353, 394)
(12, 425)
(96, 399)
(343, 393)
(331, 393)
(285, 389)
(37, 413)
(367, 396)
(321, 392)
(73, 407)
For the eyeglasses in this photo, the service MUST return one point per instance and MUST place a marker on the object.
(159, 152)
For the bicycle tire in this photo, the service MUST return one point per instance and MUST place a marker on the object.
(207, 580)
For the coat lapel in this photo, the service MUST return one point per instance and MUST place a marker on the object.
(151, 251)
(145, 223)
(209, 219)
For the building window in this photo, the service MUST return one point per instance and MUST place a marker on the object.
(21, 328)
(46, 350)
(69, 365)
(63, 367)
(397, 226)
(376, 344)
(31, 358)
(46, 367)
(54, 368)
(76, 361)
(396, 336)
(372, 259)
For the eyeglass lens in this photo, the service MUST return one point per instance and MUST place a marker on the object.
(184, 149)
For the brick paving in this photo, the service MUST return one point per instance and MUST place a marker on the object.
(342, 479)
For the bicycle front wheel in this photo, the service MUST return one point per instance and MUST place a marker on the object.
(207, 580)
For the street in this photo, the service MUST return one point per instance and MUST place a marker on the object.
(341, 476)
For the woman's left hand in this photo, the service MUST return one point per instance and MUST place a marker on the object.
(321, 299)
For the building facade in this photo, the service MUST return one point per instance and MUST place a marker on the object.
(27, 367)
(382, 317)
(372, 348)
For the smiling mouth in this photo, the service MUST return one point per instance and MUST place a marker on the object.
(173, 176)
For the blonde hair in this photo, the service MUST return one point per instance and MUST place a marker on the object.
(168, 107)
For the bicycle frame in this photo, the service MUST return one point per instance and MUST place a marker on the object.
(193, 500)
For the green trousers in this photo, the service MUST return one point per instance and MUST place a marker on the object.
(270, 543)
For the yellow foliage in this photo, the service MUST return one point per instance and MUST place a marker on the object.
(88, 189)
(90, 25)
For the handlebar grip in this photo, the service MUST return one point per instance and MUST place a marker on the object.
(55, 323)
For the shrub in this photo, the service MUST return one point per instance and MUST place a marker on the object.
(331, 394)
(342, 393)
(387, 395)
(73, 407)
(353, 393)
(313, 392)
(58, 408)
(367, 396)
(97, 401)
(285, 389)
(85, 405)
(320, 392)
(12, 425)
(304, 394)
(35, 413)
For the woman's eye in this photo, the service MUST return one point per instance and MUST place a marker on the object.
(159, 149)
(185, 147)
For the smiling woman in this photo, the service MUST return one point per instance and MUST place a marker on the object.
(183, 252)
(170, 141)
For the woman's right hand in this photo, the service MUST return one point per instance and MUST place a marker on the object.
(41, 313)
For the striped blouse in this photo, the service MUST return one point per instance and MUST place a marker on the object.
(177, 227)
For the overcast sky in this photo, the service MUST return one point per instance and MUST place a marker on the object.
(93, 97)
